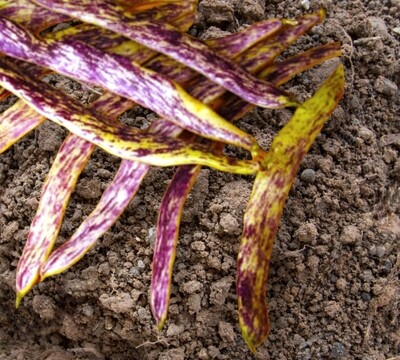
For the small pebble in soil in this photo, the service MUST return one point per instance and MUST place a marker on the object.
(250, 10)
(151, 235)
(141, 265)
(338, 350)
(366, 296)
(203, 354)
(134, 271)
(197, 235)
(386, 86)
(308, 175)
(380, 251)
(387, 266)
(305, 4)
(378, 289)
(108, 323)
(89, 188)
(88, 310)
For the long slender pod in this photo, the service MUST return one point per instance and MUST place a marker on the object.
(266, 203)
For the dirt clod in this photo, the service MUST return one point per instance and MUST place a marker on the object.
(225, 330)
(120, 303)
(350, 235)
(219, 291)
(307, 233)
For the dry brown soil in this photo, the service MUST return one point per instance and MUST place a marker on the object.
(334, 283)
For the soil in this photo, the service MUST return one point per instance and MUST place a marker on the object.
(334, 284)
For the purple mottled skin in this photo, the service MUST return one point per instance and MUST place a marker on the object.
(55, 195)
(264, 210)
(168, 13)
(16, 122)
(167, 234)
(284, 70)
(263, 54)
(248, 296)
(32, 16)
(183, 48)
(118, 75)
(99, 38)
(71, 158)
(126, 142)
(13, 125)
(260, 56)
(113, 202)
(244, 40)
(229, 46)
(42, 236)
(280, 73)
(260, 225)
